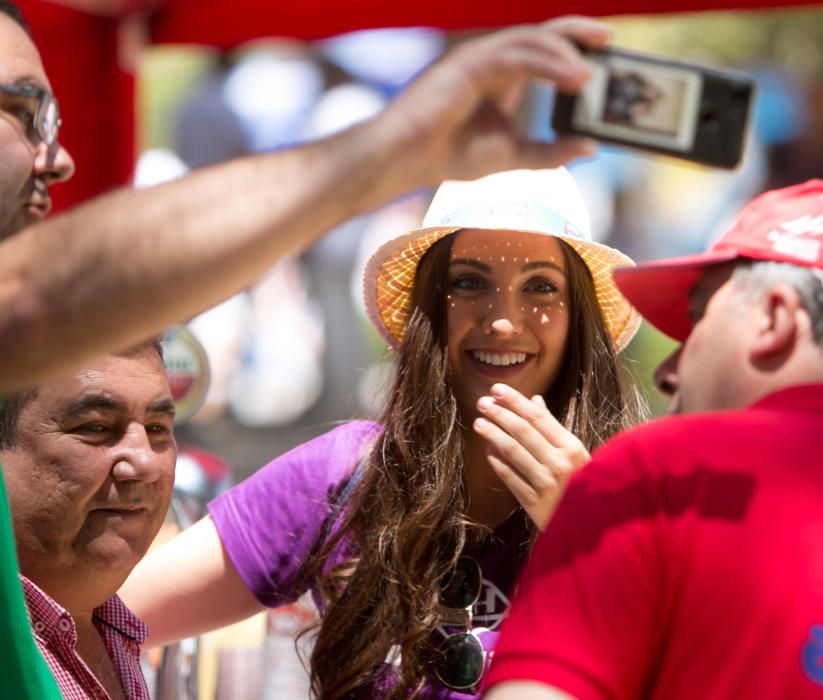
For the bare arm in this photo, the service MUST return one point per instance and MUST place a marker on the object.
(188, 586)
(525, 690)
(117, 269)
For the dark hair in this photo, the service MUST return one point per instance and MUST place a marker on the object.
(406, 516)
(10, 409)
(10, 9)
(13, 405)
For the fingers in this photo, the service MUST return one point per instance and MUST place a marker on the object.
(514, 436)
(530, 451)
(536, 154)
(457, 119)
(526, 495)
(534, 52)
(510, 408)
(524, 453)
(584, 30)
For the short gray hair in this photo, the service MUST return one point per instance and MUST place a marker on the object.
(753, 277)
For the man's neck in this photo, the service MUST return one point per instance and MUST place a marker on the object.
(79, 594)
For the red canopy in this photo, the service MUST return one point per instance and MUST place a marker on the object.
(227, 24)
(82, 52)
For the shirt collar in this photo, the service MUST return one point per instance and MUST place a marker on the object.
(806, 398)
(49, 619)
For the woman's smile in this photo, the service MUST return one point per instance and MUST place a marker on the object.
(497, 364)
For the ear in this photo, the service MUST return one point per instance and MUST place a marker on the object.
(778, 324)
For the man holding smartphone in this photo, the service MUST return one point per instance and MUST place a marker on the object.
(112, 272)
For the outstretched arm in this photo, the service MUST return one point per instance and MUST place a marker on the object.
(122, 267)
(194, 587)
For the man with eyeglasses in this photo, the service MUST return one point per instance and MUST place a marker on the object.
(115, 270)
(144, 259)
(31, 156)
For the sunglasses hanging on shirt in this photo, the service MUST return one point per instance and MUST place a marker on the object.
(460, 660)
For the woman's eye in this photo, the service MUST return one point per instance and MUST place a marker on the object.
(541, 286)
(468, 282)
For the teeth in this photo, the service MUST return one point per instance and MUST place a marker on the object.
(500, 359)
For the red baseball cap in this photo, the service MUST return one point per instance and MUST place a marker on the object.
(784, 225)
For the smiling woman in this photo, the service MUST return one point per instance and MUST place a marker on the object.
(410, 532)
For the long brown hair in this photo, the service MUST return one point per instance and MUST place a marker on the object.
(406, 516)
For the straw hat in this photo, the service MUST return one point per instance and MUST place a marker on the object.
(530, 201)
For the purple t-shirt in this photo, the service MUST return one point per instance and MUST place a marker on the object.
(270, 523)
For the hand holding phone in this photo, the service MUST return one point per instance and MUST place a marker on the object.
(660, 105)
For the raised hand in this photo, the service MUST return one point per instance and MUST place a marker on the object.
(458, 117)
(531, 452)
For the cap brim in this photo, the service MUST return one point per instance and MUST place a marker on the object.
(660, 290)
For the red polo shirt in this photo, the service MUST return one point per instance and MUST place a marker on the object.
(685, 562)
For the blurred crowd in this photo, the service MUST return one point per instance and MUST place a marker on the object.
(294, 354)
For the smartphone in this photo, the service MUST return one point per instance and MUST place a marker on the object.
(678, 109)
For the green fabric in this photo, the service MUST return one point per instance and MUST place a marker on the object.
(23, 672)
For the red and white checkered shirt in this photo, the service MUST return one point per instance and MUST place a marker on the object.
(54, 631)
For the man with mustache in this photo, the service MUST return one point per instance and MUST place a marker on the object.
(88, 461)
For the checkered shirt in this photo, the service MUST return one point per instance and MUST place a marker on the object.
(54, 631)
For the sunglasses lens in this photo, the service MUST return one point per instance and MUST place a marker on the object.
(462, 588)
(459, 663)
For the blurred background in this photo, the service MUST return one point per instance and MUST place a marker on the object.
(293, 355)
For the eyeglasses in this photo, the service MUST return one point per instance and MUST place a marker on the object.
(460, 660)
(35, 107)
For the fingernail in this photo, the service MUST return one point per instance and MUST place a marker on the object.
(499, 390)
(485, 403)
(586, 146)
(480, 424)
(590, 145)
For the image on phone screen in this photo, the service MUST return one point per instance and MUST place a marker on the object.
(641, 102)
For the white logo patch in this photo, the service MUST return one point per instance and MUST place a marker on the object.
(794, 238)
(492, 606)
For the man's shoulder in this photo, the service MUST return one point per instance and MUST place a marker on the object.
(671, 445)
(685, 434)
(667, 433)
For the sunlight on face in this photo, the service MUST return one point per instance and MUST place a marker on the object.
(507, 313)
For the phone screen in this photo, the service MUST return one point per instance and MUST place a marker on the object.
(641, 102)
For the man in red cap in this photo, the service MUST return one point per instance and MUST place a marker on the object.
(685, 561)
